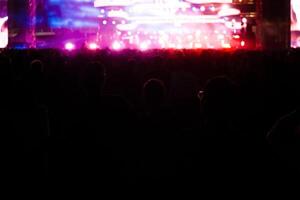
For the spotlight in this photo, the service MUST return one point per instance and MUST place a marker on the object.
(93, 46)
(243, 43)
(198, 45)
(144, 46)
(69, 46)
(116, 45)
(226, 46)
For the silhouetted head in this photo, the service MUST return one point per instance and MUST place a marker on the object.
(36, 74)
(94, 78)
(219, 96)
(284, 138)
(154, 92)
(36, 67)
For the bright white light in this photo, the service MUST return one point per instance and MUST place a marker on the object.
(93, 46)
(202, 8)
(226, 45)
(244, 20)
(104, 22)
(3, 33)
(228, 12)
(116, 45)
(198, 45)
(225, 6)
(144, 46)
(243, 43)
(118, 14)
(69, 46)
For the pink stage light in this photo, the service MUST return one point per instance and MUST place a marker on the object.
(93, 46)
(69, 46)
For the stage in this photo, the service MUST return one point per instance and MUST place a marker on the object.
(135, 24)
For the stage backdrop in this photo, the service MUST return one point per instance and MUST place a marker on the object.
(3, 24)
(141, 24)
(70, 14)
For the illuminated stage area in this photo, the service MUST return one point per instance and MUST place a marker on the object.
(142, 24)
(169, 24)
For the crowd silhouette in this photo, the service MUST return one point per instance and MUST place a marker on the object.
(169, 118)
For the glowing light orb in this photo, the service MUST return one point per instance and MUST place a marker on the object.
(69, 46)
(93, 46)
(116, 45)
(243, 43)
(144, 46)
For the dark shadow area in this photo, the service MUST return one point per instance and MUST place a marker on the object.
(168, 119)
